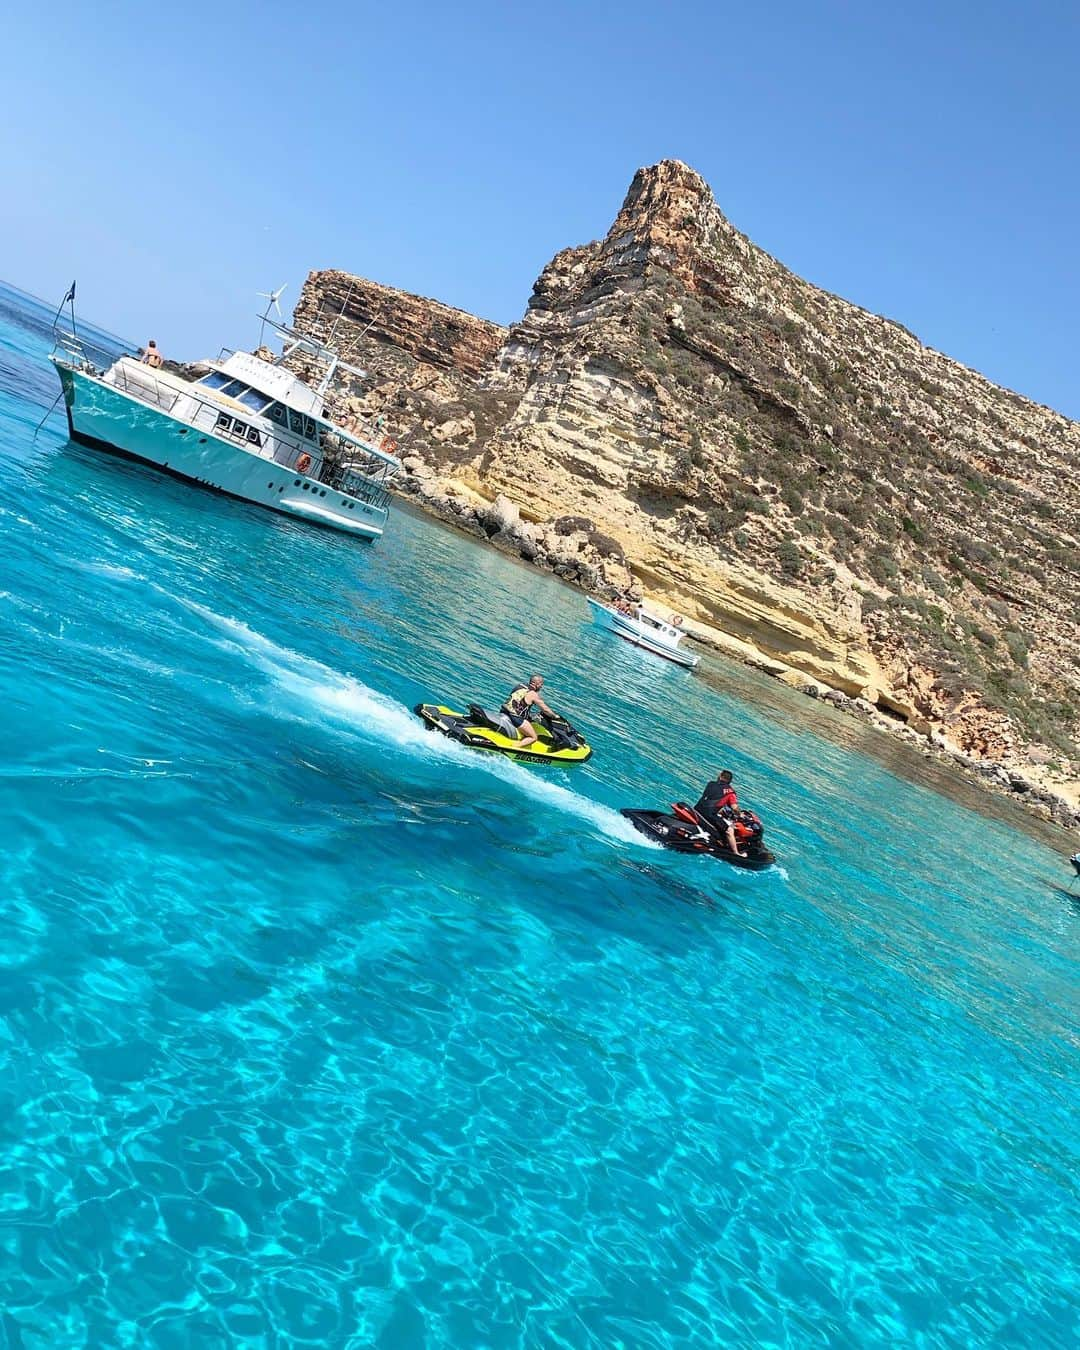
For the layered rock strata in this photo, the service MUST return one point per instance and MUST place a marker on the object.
(815, 489)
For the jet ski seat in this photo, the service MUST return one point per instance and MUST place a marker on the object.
(692, 817)
(501, 724)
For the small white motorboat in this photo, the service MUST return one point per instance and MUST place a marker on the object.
(644, 630)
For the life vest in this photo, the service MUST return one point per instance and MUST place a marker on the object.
(727, 800)
(515, 705)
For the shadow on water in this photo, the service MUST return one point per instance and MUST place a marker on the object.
(674, 887)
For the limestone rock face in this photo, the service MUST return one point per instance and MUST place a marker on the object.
(804, 480)
(394, 321)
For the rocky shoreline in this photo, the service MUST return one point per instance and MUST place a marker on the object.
(577, 553)
(819, 493)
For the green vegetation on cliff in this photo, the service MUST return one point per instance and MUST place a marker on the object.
(725, 420)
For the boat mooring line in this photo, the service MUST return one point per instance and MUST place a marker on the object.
(52, 405)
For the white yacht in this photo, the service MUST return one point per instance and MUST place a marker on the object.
(644, 630)
(249, 427)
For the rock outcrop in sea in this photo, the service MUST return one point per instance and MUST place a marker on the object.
(816, 490)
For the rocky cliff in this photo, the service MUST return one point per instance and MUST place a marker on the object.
(805, 480)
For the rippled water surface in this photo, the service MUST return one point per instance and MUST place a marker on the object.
(316, 1030)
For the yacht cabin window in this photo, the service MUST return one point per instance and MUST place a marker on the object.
(263, 404)
(251, 398)
(232, 426)
(243, 393)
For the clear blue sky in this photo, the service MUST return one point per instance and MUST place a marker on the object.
(920, 160)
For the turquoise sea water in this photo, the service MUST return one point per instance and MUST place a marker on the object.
(317, 1030)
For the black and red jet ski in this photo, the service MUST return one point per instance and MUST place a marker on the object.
(684, 830)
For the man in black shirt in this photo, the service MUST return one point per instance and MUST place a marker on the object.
(718, 804)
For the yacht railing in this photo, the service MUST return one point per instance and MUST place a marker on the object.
(141, 383)
(84, 353)
(367, 481)
(351, 467)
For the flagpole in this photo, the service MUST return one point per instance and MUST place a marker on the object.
(69, 294)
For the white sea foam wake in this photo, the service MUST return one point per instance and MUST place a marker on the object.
(355, 705)
(117, 571)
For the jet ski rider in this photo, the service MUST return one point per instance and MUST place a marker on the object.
(718, 804)
(518, 708)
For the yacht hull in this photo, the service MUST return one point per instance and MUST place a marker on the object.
(108, 419)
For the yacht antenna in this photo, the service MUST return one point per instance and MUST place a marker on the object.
(341, 313)
(359, 338)
(294, 341)
(271, 298)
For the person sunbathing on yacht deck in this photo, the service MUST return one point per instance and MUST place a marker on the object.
(150, 356)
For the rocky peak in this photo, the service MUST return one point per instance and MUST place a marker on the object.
(665, 214)
(795, 474)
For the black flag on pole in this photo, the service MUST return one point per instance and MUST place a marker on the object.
(69, 297)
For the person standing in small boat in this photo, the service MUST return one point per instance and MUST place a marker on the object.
(718, 804)
(519, 707)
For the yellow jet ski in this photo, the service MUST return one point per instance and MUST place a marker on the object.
(557, 742)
